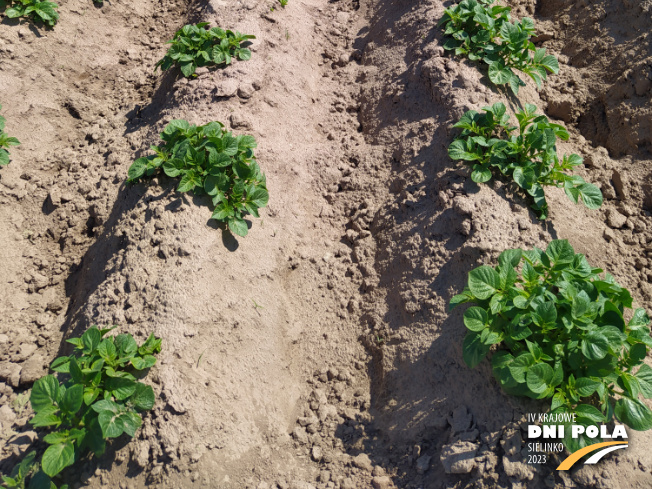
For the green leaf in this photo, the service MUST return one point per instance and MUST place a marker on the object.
(237, 226)
(595, 345)
(152, 345)
(633, 413)
(75, 372)
(137, 169)
(481, 174)
(57, 457)
(499, 73)
(586, 412)
(107, 351)
(560, 251)
(91, 339)
(550, 63)
(56, 437)
(591, 195)
(644, 377)
(244, 54)
(188, 182)
(143, 398)
(259, 197)
(126, 345)
(72, 399)
(457, 151)
(121, 388)
(473, 349)
(539, 377)
(640, 318)
(510, 258)
(585, 386)
(187, 68)
(475, 319)
(45, 393)
(484, 281)
(176, 125)
(141, 363)
(105, 405)
(131, 422)
(112, 424)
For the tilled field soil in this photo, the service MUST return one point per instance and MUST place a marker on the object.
(317, 352)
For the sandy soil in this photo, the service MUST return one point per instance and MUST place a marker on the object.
(317, 352)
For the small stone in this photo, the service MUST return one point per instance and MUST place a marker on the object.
(228, 88)
(348, 483)
(463, 205)
(317, 453)
(381, 482)
(32, 369)
(423, 464)
(308, 420)
(362, 461)
(7, 415)
(459, 457)
(617, 179)
(238, 122)
(615, 219)
(246, 91)
(54, 306)
(300, 435)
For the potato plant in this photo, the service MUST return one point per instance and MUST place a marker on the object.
(194, 46)
(560, 332)
(42, 11)
(526, 153)
(5, 142)
(96, 396)
(484, 32)
(210, 160)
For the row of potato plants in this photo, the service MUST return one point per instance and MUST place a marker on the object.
(554, 326)
(45, 12)
(95, 394)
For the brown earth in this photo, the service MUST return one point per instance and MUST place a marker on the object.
(317, 352)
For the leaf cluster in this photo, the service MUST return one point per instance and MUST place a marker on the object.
(194, 46)
(28, 472)
(210, 160)
(5, 142)
(484, 32)
(561, 334)
(527, 153)
(99, 398)
(43, 11)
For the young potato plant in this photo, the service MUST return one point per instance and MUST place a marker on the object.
(96, 396)
(5, 142)
(527, 154)
(194, 46)
(43, 11)
(484, 32)
(561, 334)
(210, 160)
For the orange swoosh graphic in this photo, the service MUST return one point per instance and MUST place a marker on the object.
(574, 457)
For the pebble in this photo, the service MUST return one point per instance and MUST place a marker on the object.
(362, 461)
(246, 91)
(32, 369)
(615, 219)
(381, 482)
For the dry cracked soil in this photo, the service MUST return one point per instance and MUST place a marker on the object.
(318, 352)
